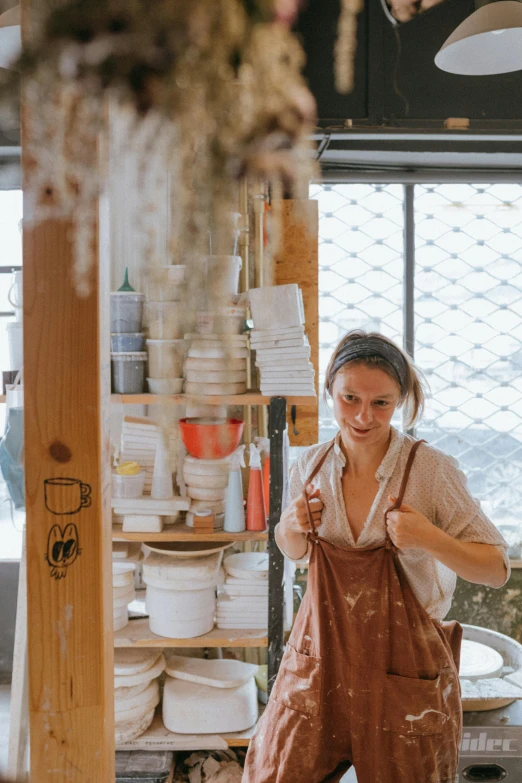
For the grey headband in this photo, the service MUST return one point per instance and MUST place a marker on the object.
(366, 348)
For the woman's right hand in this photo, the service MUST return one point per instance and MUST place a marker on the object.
(294, 518)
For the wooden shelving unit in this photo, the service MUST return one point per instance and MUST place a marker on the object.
(157, 737)
(138, 634)
(184, 533)
(249, 398)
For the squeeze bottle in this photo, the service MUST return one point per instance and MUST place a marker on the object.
(263, 445)
(234, 507)
(256, 513)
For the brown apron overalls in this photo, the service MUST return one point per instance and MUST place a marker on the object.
(367, 677)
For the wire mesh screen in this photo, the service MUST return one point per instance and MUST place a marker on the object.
(360, 269)
(468, 314)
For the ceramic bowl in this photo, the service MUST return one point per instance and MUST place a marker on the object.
(211, 441)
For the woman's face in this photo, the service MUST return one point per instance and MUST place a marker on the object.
(365, 399)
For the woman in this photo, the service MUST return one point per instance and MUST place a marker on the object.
(370, 674)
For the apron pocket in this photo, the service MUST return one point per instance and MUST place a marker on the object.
(413, 707)
(298, 683)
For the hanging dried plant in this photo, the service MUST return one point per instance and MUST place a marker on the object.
(346, 45)
(212, 86)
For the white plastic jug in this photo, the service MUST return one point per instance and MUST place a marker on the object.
(15, 295)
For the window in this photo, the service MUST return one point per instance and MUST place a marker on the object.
(462, 309)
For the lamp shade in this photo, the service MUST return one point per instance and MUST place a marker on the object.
(489, 41)
(10, 37)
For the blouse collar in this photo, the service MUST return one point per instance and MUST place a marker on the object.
(389, 461)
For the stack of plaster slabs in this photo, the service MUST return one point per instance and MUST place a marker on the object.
(279, 340)
(243, 599)
(136, 690)
(181, 594)
(209, 696)
(206, 481)
(216, 364)
(123, 592)
(139, 439)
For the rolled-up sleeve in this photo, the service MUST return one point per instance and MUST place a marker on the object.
(295, 488)
(459, 514)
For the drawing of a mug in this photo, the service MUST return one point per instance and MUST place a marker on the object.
(66, 495)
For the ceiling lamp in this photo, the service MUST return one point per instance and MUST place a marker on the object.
(10, 37)
(487, 42)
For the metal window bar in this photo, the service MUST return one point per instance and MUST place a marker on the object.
(446, 258)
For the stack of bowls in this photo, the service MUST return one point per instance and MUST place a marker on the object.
(206, 481)
(210, 443)
(165, 318)
(181, 594)
(136, 691)
(122, 593)
(216, 364)
(127, 355)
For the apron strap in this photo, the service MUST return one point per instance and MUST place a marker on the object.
(313, 474)
(402, 490)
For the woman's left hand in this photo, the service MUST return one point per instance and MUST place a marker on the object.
(408, 528)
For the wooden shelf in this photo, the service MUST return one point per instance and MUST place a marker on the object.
(157, 737)
(249, 398)
(138, 634)
(186, 533)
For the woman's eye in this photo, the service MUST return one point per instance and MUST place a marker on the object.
(382, 403)
(348, 397)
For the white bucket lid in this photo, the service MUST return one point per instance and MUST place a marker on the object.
(164, 342)
(130, 356)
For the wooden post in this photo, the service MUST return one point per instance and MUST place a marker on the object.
(297, 262)
(67, 472)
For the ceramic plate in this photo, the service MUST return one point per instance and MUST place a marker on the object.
(186, 548)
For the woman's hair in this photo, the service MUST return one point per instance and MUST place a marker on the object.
(374, 350)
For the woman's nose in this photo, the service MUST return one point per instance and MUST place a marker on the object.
(364, 414)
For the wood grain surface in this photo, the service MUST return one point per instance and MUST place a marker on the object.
(69, 586)
(298, 262)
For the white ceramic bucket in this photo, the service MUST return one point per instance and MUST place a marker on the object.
(16, 344)
(180, 614)
(192, 708)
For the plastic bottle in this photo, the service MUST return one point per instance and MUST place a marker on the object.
(256, 513)
(263, 445)
(235, 507)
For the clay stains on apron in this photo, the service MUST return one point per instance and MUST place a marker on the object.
(367, 677)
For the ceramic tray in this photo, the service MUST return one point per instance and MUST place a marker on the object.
(186, 548)
(218, 673)
(247, 565)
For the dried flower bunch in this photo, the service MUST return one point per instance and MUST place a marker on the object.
(214, 87)
(404, 10)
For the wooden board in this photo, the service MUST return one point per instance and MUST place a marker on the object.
(69, 584)
(185, 533)
(250, 398)
(157, 737)
(298, 262)
(138, 634)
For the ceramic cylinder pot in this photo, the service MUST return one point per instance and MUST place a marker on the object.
(191, 708)
(180, 614)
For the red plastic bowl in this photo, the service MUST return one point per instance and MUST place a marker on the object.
(211, 441)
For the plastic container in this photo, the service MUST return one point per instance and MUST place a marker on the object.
(165, 385)
(15, 294)
(166, 358)
(128, 486)
(127, 342)
(223, 272)
(166, 320)
(128, 372)
(16, 345)
(126, 311)
(164, 292)
(211, 441)
(225, 320)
